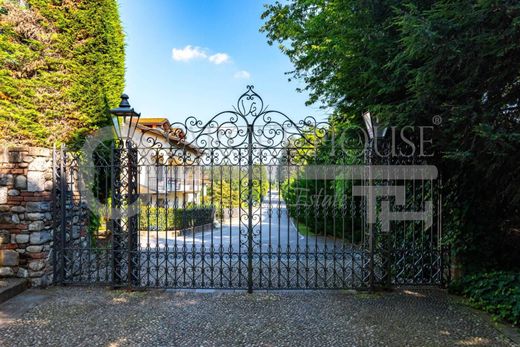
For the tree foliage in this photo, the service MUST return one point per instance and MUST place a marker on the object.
(409, 61)
(229, 186)
(61, 68)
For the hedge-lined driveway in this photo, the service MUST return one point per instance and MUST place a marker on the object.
(272, 226)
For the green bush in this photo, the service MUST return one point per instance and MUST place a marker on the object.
(61, 69)
(320, 207)
(161, 218)
(496, 292)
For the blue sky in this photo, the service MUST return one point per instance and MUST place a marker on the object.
(194, 58)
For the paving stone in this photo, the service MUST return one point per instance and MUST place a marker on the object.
(98, 317)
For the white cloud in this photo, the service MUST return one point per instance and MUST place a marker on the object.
(188, 53)
(193, 52)
(242, 74)
(219, 58)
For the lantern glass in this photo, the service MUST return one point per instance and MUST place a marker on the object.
(373, 127)
(368, 123)
(125, 119)
(117, 126)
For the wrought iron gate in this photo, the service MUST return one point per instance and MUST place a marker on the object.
(249, 199)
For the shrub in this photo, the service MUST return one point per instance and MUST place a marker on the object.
(496, 292)
(162, 218)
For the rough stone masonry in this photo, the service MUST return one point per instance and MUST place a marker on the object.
(25, 214)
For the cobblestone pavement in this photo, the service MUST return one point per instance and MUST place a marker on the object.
(76, 316)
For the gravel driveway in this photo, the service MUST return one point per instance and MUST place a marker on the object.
(102, 317)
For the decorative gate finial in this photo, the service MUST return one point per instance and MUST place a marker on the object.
(250, 103)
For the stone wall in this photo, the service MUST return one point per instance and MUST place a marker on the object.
(25, 214)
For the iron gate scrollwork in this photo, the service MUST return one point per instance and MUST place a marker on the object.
(248, 199)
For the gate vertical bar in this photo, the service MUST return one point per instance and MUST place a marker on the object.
(250, 208)
(115, 219)
(132, 224)
(371, 236)
(443, 252)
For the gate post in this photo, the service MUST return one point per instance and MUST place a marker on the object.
(124, 189)
(125, 232)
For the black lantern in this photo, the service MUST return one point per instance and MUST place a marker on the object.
(125, 119)
(373, 127)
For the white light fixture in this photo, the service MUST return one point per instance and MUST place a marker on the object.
(125, 119)
(373, 127)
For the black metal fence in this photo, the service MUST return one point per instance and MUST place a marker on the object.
(249, 199)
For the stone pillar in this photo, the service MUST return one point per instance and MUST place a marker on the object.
(25, 214)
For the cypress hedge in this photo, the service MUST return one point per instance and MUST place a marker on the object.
(61, 69)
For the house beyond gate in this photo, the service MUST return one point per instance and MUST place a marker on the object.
(163, 179)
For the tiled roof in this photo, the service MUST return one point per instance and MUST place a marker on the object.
(170, 136)
(153, 120)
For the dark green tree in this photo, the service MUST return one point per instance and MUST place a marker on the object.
(409, 61)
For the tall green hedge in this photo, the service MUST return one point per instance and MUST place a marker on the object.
(61, 69)
(161, 218)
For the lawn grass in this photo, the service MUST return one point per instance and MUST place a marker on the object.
(304, 230)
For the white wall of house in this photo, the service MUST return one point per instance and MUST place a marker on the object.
(163, 178)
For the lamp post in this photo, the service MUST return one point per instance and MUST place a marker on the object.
(126, 263)
(374, 128)
(376, 133)
(125, 119)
